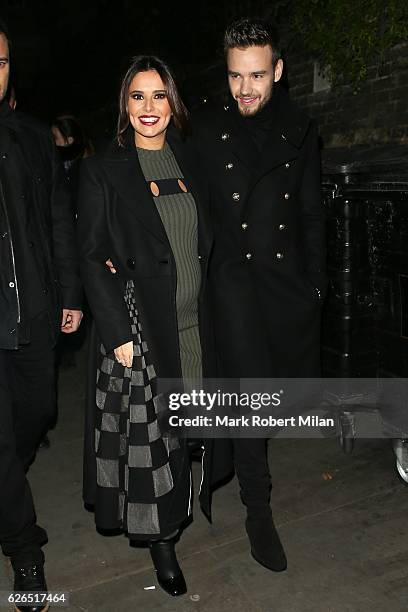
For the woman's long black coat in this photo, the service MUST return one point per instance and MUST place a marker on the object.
(118, 219)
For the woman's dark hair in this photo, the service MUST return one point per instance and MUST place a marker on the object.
(143, 63)
(81, 146)
(70, 128)
(244, 33)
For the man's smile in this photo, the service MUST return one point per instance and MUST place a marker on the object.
(247, 100)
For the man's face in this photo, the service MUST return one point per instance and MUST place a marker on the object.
(251, 76)
(4, 66)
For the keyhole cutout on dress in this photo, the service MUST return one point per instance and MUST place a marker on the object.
(154, 189)
(182, 186)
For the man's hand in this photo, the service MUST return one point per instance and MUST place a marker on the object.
(124, 354)
(71, 320)
(110, 266)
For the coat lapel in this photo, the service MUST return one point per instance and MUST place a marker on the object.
(283, 144)
(125, 175)
(185, 156)
(286, 138)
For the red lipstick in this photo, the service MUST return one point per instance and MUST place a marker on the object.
(148, 120)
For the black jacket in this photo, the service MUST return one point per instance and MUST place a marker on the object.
(50, 225)
(267, 271)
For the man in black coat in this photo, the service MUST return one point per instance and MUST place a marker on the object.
(40, 295)
(267, 271)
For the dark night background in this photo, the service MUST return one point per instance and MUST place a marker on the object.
(69, 56)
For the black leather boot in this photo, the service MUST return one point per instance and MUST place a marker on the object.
(169, 575)
(31, 579)
(266, 547)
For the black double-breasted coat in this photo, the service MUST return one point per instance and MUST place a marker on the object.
(118, 219)
(267, 271)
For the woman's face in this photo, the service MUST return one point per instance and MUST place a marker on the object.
(60, 139)
(149, 109)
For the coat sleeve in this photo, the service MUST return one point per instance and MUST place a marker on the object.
(103, 289)
(313, 214)
(65, 254)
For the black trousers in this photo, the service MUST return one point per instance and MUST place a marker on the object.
(252, 469)
(27, 405)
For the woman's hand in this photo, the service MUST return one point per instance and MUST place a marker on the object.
(71, 320)
(124, 354)
(110, 265)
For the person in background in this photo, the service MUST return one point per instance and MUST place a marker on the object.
(72, 146)
(40, 296)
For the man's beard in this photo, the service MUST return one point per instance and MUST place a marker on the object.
(246, 112)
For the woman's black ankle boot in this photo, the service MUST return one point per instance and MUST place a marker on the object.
(169, 574)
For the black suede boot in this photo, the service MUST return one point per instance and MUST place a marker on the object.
(251, 464)
(266, 547)
(169, 575)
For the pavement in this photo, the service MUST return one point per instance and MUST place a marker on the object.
(343, 520)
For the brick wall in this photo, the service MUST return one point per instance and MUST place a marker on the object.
(377, 114)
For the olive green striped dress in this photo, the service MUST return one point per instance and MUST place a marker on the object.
(178, 213)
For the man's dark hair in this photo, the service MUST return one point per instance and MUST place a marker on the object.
(244, 33)
(4, 30)
(144, 63)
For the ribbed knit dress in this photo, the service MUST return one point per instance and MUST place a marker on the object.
(178, 213)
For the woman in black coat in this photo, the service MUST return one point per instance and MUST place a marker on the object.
(141, 207)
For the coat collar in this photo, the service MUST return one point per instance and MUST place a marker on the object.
(6, 114)
(7, 128)
(292, 121)
(12, 135)
(286, 137)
